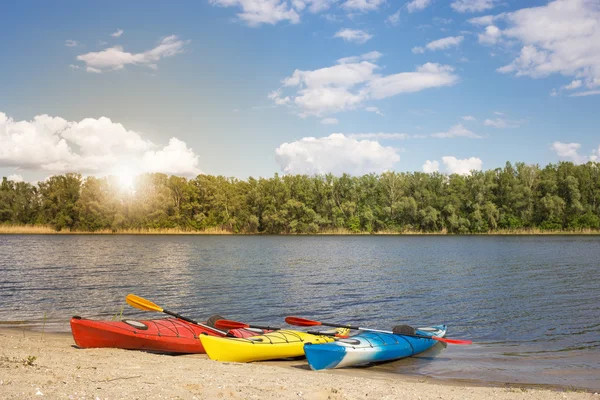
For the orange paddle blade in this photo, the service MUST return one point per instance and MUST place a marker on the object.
(228, 324)
(301, 321)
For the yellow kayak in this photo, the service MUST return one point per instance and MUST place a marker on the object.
(277, 344)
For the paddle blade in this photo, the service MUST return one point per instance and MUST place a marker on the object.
(301, 321)
(452, 341)
(141, 303)
(228, 324)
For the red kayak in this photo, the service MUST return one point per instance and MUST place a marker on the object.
(167, 335)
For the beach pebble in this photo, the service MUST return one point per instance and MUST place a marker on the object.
(38, 392)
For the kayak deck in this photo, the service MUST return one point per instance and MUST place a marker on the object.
(274, 345)
(166, 335)
(370, 347)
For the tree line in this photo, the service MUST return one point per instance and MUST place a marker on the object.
(557, 197)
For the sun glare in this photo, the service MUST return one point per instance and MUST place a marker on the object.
(125, 176)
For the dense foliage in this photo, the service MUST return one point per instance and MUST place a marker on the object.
(558, 197)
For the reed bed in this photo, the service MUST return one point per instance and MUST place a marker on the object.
(48, 230)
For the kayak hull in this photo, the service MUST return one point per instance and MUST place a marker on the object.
(274, 345)
(370, 347)
(166, 335)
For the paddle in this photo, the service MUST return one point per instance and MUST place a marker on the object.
(147, 305)
(307, 322)
(228, 324)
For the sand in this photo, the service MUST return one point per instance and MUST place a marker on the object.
(32, 366)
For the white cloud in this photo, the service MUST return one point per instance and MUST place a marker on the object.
(394, 19)
(335, 154)
(362, 5)
(314, 6)
(380, 135)
(15, 178)
(175, 159)
(118, 33)
(353, 35)
(429, 75)
(444, 43)
(116, 58)
(431, 166)
(330, 121)
(570, 152)
(418, 50)
(374, 110)
(71, 43)
(347, 85)
(486, 20)
(502, 123)
(417, 5)
(457, 130)
(491, 35)
(371, 56)
(562, 37)
(90, 146)
(473, 5)
(586, 93)
(468, 118)
(258, 12)
(573, 85)
(461, 167)
(74, 66)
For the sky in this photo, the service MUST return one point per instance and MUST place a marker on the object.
(256, 87)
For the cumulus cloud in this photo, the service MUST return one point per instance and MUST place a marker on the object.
(335, 154)
(71, 43)
(330, 121)
(561, 37)
(440, 44)
(468, 118)
(374, 110)
(486, 20)
(431, 166)
(393, 19)
(349, 84)
(462, 167)
(15, 178)
(380, 135)
(175, 159)
(457, 130)
(417, 5)
(573, 85)
(258, 12)
(90, 146)
(118, 33)
(362, 5)
(371, 56)
(570, 152)
(502, 123)
(491, 35)
(115, 58)
(473, 5)
(353, 35)
(585, 93)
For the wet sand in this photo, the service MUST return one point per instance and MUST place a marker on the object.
(32, 366)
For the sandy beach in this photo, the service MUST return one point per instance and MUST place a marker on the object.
(32, 366)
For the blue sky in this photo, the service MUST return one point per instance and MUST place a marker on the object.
(253, 87)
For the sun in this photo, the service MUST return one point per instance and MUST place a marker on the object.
(125, 176)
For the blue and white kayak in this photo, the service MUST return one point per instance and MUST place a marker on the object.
(370, 347)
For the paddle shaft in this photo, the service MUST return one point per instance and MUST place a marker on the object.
(358, 328)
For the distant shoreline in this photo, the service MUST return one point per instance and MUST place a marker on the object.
(48, 230)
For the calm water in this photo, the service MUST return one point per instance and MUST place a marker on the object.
(531, 304)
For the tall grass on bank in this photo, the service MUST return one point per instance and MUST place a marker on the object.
(48, 230)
